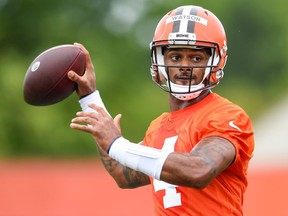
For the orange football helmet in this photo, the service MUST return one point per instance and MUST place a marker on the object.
(189, 27)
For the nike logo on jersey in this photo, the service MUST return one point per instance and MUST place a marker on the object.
(232, 124)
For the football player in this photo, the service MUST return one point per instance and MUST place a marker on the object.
(196, 156)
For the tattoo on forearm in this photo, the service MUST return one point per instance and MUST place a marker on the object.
(109, 163)
(132, 177)
(135, 178)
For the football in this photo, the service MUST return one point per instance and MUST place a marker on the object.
(46, 81)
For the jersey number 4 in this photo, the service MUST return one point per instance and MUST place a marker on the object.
(171, 197)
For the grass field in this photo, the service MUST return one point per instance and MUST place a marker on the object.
(83, 188)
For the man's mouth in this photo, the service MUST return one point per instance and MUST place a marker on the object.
(183, 79)
(185, 76)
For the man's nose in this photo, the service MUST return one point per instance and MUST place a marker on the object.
(186, 65)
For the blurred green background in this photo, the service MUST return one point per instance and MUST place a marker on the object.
(117, 34)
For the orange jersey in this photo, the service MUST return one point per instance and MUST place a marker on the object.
(180, 131)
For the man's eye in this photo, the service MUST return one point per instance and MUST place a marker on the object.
(196, 59)
(175, 58)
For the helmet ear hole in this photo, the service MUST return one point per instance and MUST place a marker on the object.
(216, 76)
(157, 77)
(155, 74)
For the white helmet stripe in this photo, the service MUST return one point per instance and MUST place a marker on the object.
(184, 22)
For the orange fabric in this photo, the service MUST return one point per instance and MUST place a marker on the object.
(213, 116)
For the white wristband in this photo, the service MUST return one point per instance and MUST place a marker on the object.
(93, 98)
(141, 158)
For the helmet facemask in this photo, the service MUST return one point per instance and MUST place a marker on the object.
(190, 27)
(162, 77)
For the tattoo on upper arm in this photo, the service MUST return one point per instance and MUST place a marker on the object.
(216, 149)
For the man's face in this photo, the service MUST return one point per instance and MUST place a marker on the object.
(182, 60)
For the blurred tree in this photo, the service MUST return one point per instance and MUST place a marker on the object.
(117, 34)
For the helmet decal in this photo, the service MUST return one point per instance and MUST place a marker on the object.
(185, 19)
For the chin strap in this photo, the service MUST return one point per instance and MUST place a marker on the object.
(185, 97)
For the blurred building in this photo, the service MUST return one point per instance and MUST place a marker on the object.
(271, 133)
